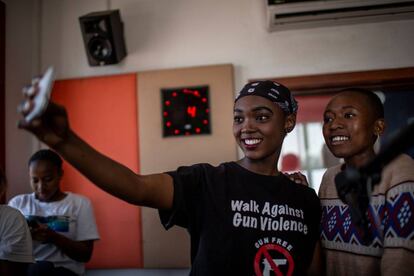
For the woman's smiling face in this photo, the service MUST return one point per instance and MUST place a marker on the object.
(350, 127)
(259, 127)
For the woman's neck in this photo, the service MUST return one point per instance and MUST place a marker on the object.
(57, 196)
(360, 160)
(264, 167)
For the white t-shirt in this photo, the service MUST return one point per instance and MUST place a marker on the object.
(71, 217)
(15, 239)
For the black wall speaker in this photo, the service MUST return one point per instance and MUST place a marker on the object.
(103, 36)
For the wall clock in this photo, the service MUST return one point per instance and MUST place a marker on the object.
(185, 111)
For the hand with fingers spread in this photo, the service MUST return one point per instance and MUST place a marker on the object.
(298, 178)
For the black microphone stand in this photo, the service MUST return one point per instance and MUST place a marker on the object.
(354, 186)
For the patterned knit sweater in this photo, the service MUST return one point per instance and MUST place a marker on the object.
(390, 250)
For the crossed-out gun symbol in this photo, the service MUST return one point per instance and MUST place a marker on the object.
(268, 268)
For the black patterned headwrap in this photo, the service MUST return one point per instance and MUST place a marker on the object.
(272, 91)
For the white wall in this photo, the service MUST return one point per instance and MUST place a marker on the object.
(168, 34)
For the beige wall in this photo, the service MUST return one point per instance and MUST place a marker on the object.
(157, 154)
(22, 62)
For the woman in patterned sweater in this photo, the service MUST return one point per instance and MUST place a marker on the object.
(353, 120)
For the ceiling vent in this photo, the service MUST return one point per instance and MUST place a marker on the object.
(293, 14)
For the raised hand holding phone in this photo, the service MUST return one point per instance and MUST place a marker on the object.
(45, 119)
(41, 98)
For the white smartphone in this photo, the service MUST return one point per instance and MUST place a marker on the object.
(41, 99)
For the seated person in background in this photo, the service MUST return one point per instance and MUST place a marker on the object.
(353, 120)
(62, 224)
(15, 240)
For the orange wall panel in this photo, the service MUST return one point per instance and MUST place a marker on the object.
(103, 111)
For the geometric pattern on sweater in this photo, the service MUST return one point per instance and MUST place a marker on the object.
(390, 223)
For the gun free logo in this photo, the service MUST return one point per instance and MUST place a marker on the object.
(273, 257)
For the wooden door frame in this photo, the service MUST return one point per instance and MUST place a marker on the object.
(330, 83)
(2, 85)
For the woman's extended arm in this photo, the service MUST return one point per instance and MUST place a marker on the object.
(53, 129)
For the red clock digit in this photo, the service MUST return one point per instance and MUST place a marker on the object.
(185, 111)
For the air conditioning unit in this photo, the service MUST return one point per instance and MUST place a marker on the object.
(291, 14)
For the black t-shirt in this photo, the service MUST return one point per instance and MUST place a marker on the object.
(243, 223)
